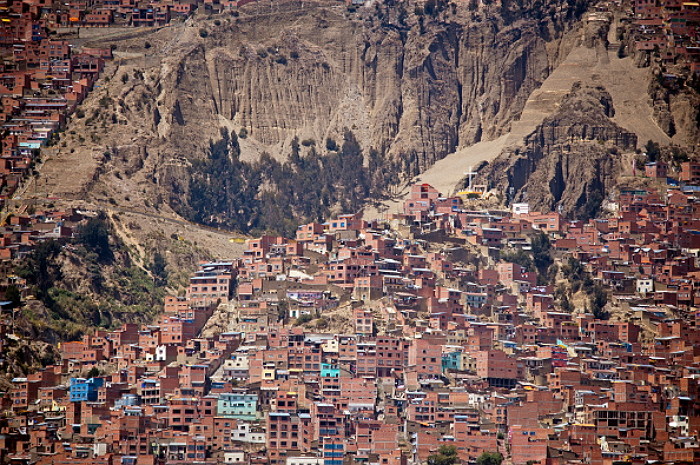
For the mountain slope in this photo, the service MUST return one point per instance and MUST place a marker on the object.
(415, 84)
(592, 62)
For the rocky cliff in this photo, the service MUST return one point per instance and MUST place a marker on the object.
(676, 108)
(571, 161)
(403, 82)
(415, 82)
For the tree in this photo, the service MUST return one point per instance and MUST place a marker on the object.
(519, 257)
(160, 274)
(599, 298)
(591, 208)
(653, 150)
(40, 268)
(273, 196)
(94, 236)
(506, 13)
(490, 458)
(303, 319)
(13, 295)
(573, 271)
(294, 157)
(447, 455)
(565, 304)
(331, 145)
(541, 252)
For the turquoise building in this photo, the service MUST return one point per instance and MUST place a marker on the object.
(330, 370)
(239, 405)
(452, 361)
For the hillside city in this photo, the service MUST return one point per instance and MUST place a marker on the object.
(452, 331)
(383, 342)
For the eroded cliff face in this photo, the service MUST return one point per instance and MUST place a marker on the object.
(411, 88)
(571, 161)
(677, 111)
(414, 86)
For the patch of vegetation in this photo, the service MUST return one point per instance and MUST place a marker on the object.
(158, 269)
(519, 257)
(562, 298)
(94, 236)
(599, 298)
(87, 282)
(590, 204)
(574, 272)
(331, 145)
(653, 150)
(539, 258)
(578, 280)
(542, 258)
(13, 295)
(40, 268)
(490, 458)
(273, 196)
(434, 7)
(303, 319)
(446, 455)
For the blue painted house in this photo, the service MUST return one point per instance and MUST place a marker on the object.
(452, 361)
(84, 390)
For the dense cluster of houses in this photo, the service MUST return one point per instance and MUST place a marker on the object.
(670, 28)
(42, 81)
(379, 342)
(21, 232)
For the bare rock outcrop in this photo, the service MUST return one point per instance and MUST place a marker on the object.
(414, 88)
(571, 161)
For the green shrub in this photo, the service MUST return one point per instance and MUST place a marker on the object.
(303, 319)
